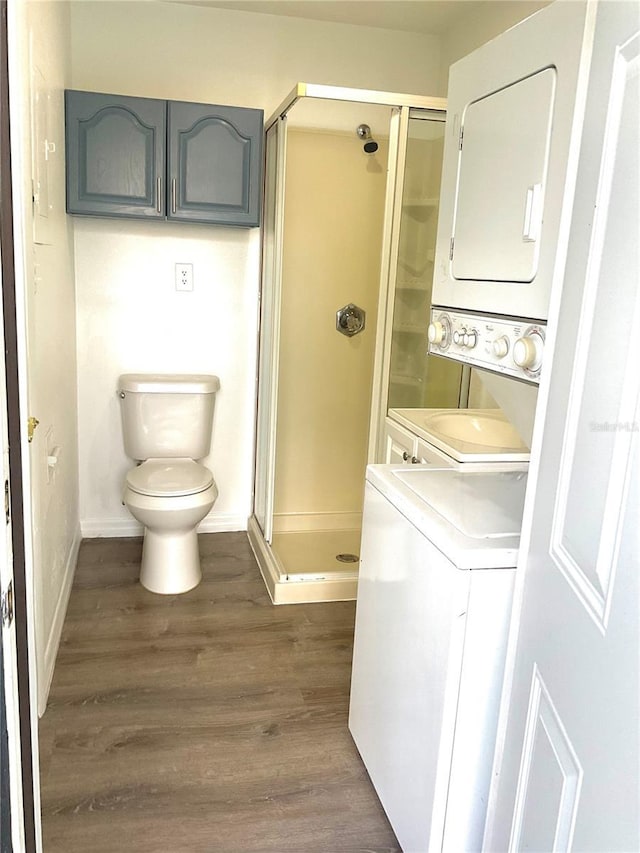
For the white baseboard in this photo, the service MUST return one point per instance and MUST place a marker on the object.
(112, 528)
(53, 640)
(223, 524)
(109, 528)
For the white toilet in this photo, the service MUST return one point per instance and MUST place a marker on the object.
(167, 422)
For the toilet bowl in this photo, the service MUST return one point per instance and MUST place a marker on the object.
(167, 422)
(170, 498)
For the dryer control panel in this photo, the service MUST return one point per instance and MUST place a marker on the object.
(512, 347)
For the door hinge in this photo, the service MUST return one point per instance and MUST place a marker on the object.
(460, 138)
(7, 502)
(451, 249)
(6, 606)
(32, 423)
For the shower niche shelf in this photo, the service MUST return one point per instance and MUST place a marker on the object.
(411, 328)
(405, 379)
(420, 209)
(422, 203)
(412, 285)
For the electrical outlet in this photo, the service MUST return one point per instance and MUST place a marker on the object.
(184, 277)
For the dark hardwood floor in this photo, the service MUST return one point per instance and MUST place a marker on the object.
(210, 721)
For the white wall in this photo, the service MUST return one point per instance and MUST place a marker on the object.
(40, 38)
(131, 319)
(129, 316)
(483, 23)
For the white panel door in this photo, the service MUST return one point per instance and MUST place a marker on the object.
(568, 760)
(11, 825)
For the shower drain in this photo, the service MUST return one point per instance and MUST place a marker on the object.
(347, 558)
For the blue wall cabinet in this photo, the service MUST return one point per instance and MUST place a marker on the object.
(153, 159)
(215, 163)
(115, 152)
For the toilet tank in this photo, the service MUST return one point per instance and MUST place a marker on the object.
(166, 416)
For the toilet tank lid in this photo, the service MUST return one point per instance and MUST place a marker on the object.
(167, 383)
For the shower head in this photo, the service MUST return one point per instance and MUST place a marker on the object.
(363, 131)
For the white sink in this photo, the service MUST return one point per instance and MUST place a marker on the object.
(468, 435)
(484, 429)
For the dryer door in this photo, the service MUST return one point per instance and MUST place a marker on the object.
(509, 166)
(502, 173)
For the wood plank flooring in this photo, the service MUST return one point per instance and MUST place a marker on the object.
(209, 721)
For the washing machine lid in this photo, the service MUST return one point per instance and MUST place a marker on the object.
(481, 505)
(169, 478)
(473, 517)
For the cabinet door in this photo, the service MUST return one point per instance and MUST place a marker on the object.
(215, 164)
(427, 453)
(400, 445)
(115, 155)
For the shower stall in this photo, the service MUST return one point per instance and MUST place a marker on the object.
(351, 202)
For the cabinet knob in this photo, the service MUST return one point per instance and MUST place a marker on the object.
(414, 460)
(405, 456)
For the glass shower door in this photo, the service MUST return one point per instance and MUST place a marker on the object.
(418, 380)
(276, 138)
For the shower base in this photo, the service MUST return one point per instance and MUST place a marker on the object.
(304, 566)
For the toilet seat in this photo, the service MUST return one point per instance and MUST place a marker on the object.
(166, 478)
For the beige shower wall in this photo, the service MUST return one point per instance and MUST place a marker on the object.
(333, 232)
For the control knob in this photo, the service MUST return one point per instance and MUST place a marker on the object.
(527, 351)
(469, 339)
(439, 332)
(435, 332)
(501, 346)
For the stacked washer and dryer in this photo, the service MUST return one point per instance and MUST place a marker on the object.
(440, 539)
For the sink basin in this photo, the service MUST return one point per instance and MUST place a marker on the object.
(483, 429)
(468, 435)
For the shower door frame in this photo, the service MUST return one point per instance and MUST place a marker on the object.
(269, 334)
(260, 526)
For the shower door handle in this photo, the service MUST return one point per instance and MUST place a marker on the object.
(350, 320)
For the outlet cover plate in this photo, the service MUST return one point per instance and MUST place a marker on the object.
(184, 277)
